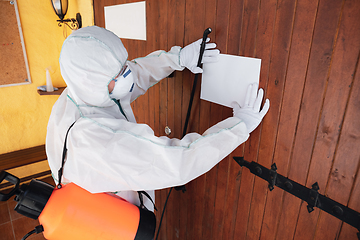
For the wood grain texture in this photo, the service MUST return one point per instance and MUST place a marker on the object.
(310, 72)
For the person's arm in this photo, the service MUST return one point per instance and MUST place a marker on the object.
(158, 65)
(100, 159)
(151, 69)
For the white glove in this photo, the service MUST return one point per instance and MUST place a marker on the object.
(250, 113)
(189, 55)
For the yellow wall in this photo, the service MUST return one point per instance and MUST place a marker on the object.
(23, 112)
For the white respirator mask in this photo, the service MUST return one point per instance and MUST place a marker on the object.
(123, 84)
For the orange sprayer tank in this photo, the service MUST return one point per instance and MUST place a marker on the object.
(74, 213)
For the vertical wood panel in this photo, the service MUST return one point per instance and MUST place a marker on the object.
(295, 78)
(163, 91)
(174, 122)
(340, 178)
(221, 32)
(234, 175)
(249, 27)
(153, 18)
(348, 155)
(262, 34)
(179, 121)
(277, 75)
(316, 79)
(337, 92)
(206, 110)
(347, 158)
(236, 16)
(275, 80)
(194, 25)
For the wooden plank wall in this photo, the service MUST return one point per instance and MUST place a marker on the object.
(311, 74)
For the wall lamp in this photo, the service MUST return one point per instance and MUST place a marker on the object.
(60, 8)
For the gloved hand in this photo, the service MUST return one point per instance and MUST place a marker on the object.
(189, 55)
(250, 113)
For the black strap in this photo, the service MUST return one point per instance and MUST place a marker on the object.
(141, 193)
(60, 172)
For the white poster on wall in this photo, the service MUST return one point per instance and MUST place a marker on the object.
(227, 80)
(127, 20)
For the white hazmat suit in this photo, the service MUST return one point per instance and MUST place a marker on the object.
(107, 150)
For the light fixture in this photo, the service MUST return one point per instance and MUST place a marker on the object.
(60, 8)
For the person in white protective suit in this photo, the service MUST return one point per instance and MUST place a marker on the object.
(107, 150)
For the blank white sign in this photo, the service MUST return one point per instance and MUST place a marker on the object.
(227, 80)
(127, 20)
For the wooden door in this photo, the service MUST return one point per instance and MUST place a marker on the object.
(310, 72)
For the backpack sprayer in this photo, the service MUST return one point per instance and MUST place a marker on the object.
(71, 212)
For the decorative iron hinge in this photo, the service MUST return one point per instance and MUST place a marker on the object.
(311, 196)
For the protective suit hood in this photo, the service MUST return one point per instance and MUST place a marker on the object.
(90, 58)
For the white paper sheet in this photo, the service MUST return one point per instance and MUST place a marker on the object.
(127, 20)
(227, 80)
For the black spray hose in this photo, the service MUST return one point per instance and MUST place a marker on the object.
(202, 50)
(37, 230)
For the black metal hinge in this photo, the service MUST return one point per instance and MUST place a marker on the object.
(311, 196)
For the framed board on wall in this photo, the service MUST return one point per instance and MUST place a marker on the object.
(14, 68)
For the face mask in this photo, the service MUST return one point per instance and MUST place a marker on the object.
(123, 85)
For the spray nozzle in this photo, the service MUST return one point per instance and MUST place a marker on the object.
(11, 179)
(31, 197)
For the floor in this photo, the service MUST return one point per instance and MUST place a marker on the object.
(14, 226)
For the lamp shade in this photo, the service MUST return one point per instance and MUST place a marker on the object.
(60, 7)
